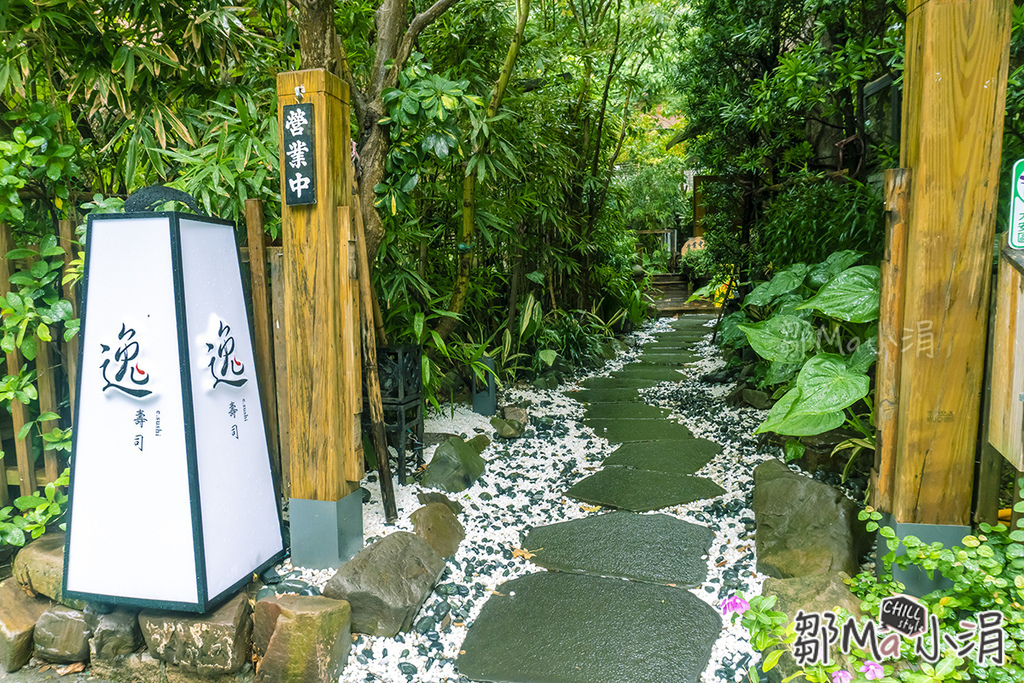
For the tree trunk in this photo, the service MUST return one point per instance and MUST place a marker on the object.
(448, 323)
(318, 41)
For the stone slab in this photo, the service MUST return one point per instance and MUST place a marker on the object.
(677, 457)
(210, 644)
(39, 568)
(616, 383)
(604, 395)
(652, 548)
(301, 639)
(641, 490)
(18, 615)
(620, 431)
(672, 358)
(658, 374)
(623, 411)
(692, 322)
(565, 628)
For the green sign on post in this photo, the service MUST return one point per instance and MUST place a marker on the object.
(1017, 207)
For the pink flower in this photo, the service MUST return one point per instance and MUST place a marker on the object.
(734, 604)
(842, 676)
(872, 670)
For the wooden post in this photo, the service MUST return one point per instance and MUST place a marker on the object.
(47, 388)
(321, 437)
(276, 266)
(261, 326)
(68, 244)
(890, 335)
(19, 411)
(954, 103)
(380, 445)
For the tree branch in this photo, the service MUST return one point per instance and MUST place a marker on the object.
(416, 26)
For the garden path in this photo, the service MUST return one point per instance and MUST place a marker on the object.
(649, 627)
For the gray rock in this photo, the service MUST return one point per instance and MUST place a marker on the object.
(803, 526)
(39, 568)
(757, 399)
(455, 466)
(62, 636)
(208, 644)
(386, 583)
(814, 593)
(114, 636)
(516, 413)
(735, 397)
(131, 669)
(19, 612)
(428, 497)
(436, 525)
(301, 639)
(507, 429)
(545, 383)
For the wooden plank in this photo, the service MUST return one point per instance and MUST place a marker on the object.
(955, 97)
(46, 385)
(990, 461)
(890, 335)
(316, 409)
(369, 341)
(352, 378)
(1006, 413)
(261, 326)
(19, 411)
(69, 244)
(275, 263)
(13, 476)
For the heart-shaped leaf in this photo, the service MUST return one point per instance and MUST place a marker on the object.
(780, 422)
(851, 296)
(783, 338)
(826, 384)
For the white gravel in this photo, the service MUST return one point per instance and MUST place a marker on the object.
(522, 488)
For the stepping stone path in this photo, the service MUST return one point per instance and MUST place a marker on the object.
(580, 622)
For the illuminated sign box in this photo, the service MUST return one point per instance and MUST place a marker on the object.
(172, 501)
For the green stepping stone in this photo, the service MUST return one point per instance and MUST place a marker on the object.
(623, 411)
(603, 395)
(691, 323)
(656, 373)
(552, 627)
(620, 431)
(680, 337)
(642, 490)
(679, 357)
(617, 383)
(677, 457)
(654, 548)
(667, 346)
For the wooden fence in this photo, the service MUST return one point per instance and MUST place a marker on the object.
(56, 363)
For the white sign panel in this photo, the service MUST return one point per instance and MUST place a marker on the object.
(172, 500)
(1016, 236)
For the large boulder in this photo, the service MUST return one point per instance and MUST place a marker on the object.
(62, 636)
(39, 568)
(19, 613)
(436, 525)
(301, 639)
(208, 644)
(386, 583)
(803, 526)
(813, 593)
(114, 635)
(456, 464)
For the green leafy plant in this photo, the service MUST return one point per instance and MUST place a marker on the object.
(30, 516)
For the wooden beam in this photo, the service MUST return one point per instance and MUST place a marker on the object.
(69, 244)
(19, 411)
(955, 97)
(890, 335)
(275, 263)
(319, 410)
(261, 326)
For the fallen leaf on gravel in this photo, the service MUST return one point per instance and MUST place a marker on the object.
(523, 553)
(75, 668)
(721, 563)
(590, 508)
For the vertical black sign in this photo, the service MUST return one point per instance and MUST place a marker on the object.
(299, 155)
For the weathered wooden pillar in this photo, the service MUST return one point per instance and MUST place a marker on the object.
(324, 443)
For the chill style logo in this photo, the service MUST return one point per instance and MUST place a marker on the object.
(121, 369)
(224, 365)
